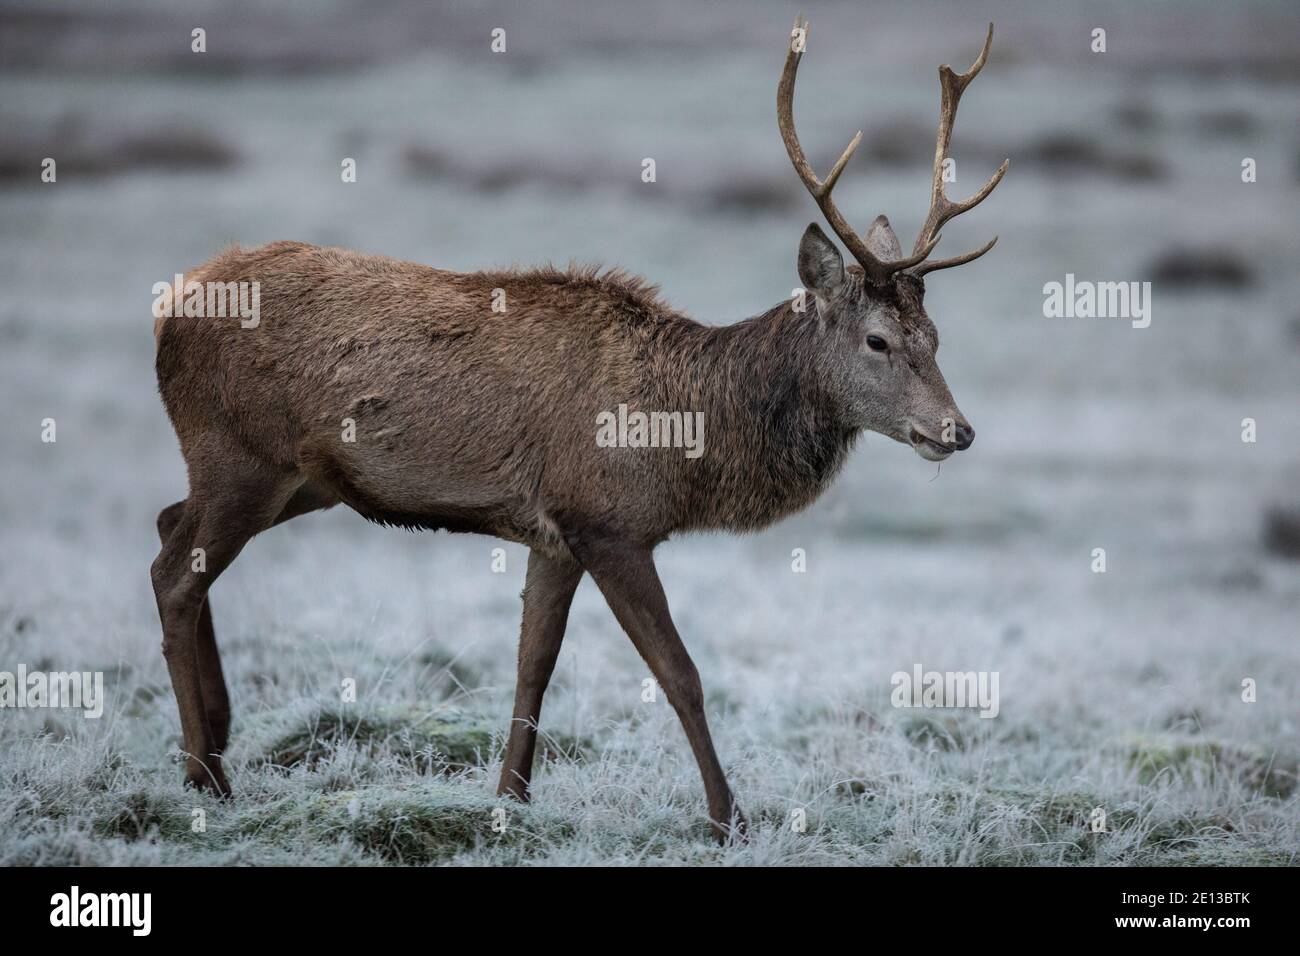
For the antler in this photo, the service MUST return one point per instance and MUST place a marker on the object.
(877, 270)
(941, 207)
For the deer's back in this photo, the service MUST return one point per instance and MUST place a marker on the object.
(399, 388)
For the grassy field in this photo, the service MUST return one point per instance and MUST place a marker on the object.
(1152, 732)
(1119, 691)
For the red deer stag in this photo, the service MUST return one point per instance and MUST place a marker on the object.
(473, 421)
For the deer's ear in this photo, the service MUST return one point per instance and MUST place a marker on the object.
(821, 269)
(882, 241)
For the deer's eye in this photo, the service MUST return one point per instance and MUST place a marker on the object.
(877, 343)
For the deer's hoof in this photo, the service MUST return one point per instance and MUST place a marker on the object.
(735, 833)
(514, 786)
(211, 781)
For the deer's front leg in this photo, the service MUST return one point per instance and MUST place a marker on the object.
(627, 577)
(548, 592)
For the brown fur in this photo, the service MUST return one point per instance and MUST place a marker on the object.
(474, 420)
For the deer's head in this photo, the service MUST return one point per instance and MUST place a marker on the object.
(882, 367)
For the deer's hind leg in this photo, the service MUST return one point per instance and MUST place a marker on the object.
(212, 682)
(216, 699)
(548, 592)
(226, 508)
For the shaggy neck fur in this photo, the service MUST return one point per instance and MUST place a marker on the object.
(773, 438)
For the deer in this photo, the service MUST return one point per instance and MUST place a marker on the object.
(470, 420)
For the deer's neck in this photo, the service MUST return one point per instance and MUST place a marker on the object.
(773, 437)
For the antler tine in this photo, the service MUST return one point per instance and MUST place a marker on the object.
(930, 265)
(877, 270)
(942, 209)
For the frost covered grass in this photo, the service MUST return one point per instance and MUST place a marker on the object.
(78, 802)
(1119, 691)
(1155, 735)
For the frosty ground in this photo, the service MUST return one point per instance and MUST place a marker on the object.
(1118, 704)
(1120, 691)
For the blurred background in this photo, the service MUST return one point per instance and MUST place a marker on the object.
(1125, 166)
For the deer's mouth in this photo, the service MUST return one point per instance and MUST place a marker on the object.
(927, 447)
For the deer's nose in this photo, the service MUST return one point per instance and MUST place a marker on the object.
(965, 437)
